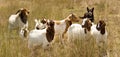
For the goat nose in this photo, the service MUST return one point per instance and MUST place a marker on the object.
(28, 12)
(37, 27)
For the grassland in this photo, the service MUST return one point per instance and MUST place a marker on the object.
(108, 10)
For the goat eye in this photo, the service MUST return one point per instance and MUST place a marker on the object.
(28, 12)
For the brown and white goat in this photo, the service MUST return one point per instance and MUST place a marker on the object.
(99, 32)
(77, 31)
(19, 20)
(62, 26)
(42, 37)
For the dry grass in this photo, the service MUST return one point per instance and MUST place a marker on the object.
(59, 9)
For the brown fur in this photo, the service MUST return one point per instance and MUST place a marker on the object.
(18, 11)
(57, 22)
(85, 30)
(50, 31)
(102, 26)
(68, 24)
(73, 18)
(87, 25)
(23, 15)
(25, 33)
(43, 21)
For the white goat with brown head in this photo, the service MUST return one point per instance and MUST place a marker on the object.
(77, 31)
(99, 32)
(19, 20)
(42, 37)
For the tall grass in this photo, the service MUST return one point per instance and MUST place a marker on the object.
(58, 10)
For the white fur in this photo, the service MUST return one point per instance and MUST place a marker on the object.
(83, 21)
(97, 35)
(37, 37)
(60, 28)
(75, 31)
(39, 25)
(15, 22)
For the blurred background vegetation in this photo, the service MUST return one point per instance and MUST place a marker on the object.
(108, 10)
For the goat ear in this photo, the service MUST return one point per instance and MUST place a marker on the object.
(18, 11)
(45, 19)
(72, 14)
(92, 9)
(87, 9)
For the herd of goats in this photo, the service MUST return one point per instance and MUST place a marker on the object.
(45, 29)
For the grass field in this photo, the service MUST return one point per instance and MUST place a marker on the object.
(108, 10)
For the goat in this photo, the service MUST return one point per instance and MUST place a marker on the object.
(62, 26)
(77, 31)
(99, 32)
(89, 14)
(42, 37)
(19, 19)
